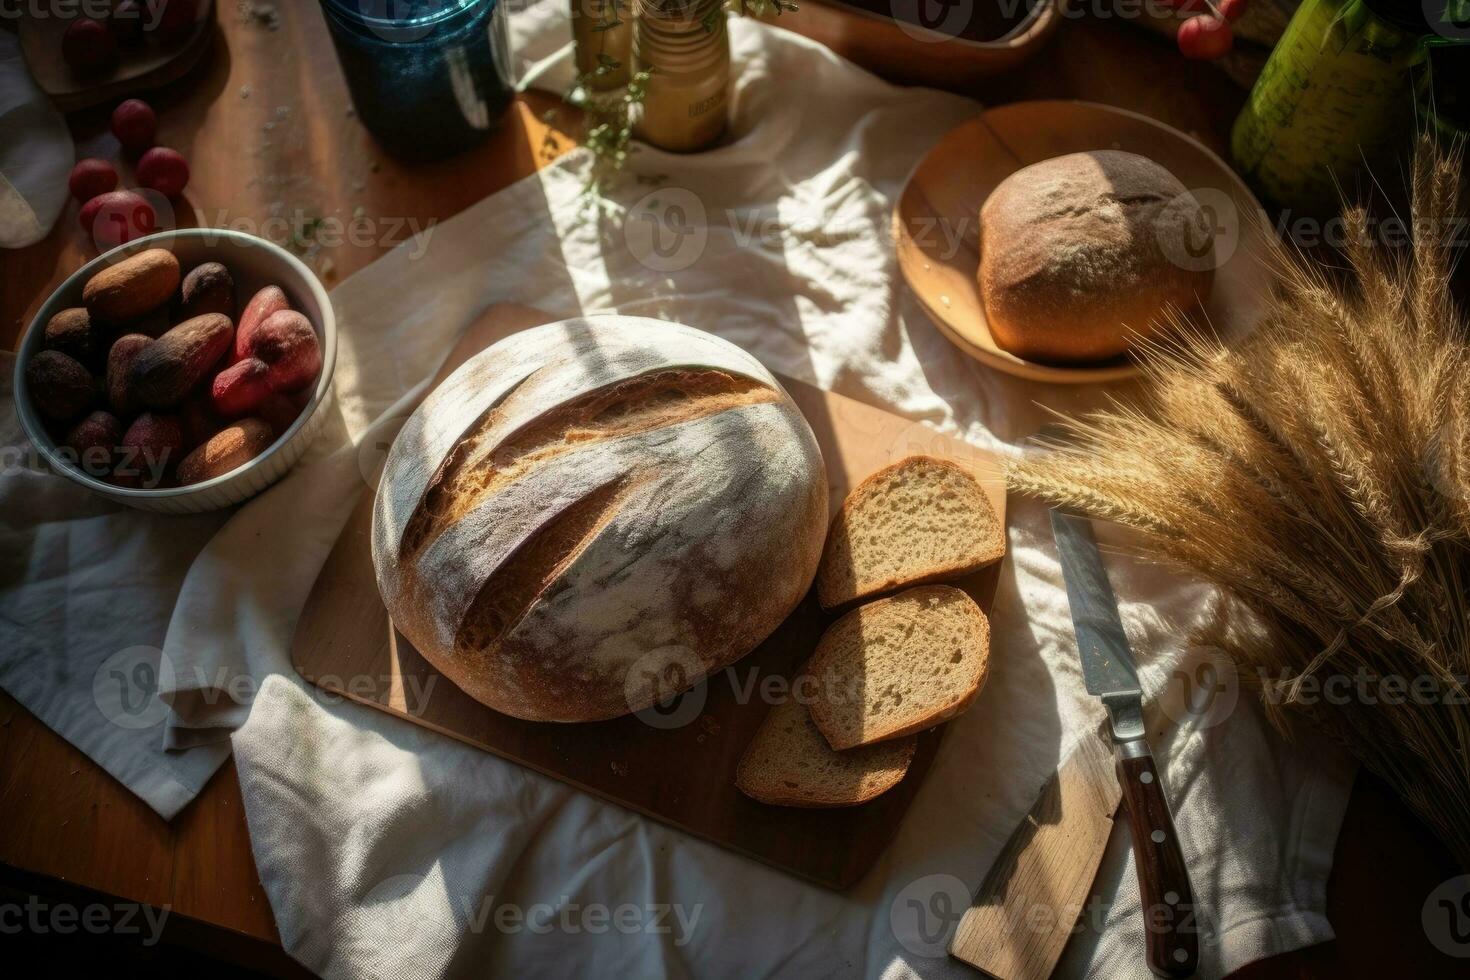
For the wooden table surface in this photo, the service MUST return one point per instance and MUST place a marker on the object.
(266, 125)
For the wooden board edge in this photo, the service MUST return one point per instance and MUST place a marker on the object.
(986, 936)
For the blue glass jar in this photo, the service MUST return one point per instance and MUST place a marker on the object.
(428, 77)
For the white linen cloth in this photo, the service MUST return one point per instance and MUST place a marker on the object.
(36, 152)
(86, 592)
(389, 851)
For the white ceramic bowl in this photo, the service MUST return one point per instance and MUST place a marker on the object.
(253, 263)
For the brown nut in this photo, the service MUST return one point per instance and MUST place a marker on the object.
(227, 449)
(166, 370)
(120, 394)
(72, 333)
(124, 292)
(60, 386)
(208, 288)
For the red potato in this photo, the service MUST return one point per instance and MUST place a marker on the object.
(241, 388)
(287, 343)
(88, 47)
(263, 304)
(120, 394)
(164, 170)
(117, 217)
(95, 441)
(135, 125)
(91, 177)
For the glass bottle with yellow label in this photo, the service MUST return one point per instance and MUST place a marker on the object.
(1338, 95)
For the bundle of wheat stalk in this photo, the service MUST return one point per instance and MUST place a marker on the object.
(1319, 472)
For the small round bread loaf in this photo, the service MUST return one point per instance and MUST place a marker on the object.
(592, 515)
(1083, 252)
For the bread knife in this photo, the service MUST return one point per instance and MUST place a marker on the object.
(1171, 937)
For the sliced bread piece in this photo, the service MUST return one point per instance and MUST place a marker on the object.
(920, 520)
(898, 666)
(789, 763)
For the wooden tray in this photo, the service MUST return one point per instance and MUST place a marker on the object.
(680, 766)
(140, 68)
(936, 221)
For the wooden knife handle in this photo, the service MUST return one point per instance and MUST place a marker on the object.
(1172, 937)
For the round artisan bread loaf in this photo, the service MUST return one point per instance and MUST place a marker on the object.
(1084, 253)
(592, 515)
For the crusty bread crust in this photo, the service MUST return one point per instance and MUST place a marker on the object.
(594, 514)
(1080, 255)
(841, 580)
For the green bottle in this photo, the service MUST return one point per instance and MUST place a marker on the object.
(1338, 94)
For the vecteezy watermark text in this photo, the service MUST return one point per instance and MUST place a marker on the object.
(37, 917)
(299, 228)
(150, 15)
(421, 909)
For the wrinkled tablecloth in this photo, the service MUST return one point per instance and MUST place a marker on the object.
(389, 851)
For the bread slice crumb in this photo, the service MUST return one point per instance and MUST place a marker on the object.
(922, 519)
(898, 666)
(789, 763)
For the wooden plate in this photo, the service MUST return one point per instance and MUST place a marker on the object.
(676, 765)
(141, 67)
(936, 220)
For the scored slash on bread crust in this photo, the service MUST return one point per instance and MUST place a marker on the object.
(789, 763)
(922, 519)
(899, 665)
(480, 465)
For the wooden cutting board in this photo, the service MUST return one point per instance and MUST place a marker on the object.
(677, 765)
(1025, 910)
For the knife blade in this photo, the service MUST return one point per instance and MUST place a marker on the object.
(1102, 646)
(1171, 936)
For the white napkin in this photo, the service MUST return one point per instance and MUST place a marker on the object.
(389, 851)
(86, 591)
(36, 153)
